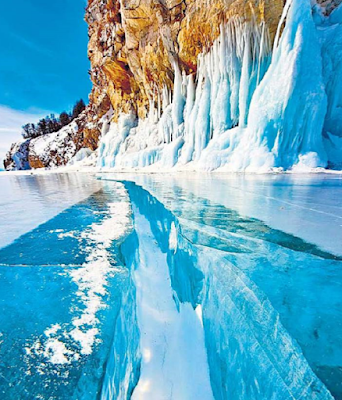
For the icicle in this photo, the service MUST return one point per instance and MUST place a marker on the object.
(153, 113)
(288, 108)
(245, 83)
(261, 51)
(190, 99)
(281, 23)
(178, 101)
(159, 104)
(165, 97)
(184, 85)
(199, 111)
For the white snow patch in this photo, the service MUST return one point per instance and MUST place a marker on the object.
(57, 352)
(92, 281)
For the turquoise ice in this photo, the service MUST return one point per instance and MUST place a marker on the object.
(177, 287)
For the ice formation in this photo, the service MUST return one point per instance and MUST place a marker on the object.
(164, 287)
(174, 361)
(91, 280)
(206, 330)
(250, 107)
(330, 33)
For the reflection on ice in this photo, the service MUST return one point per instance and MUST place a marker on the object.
(174, 361)
(306, 206)
(29, 200)
(187, 287)
(268, 298)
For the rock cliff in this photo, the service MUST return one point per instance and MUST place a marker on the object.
(134, 45)
(137, 48)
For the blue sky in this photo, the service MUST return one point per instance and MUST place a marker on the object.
(44, 65)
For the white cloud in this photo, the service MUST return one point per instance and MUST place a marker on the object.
(11, 122)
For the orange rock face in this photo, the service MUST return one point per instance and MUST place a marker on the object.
(134, 44)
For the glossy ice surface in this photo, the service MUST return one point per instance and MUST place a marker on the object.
(29, 200)
(175, 287)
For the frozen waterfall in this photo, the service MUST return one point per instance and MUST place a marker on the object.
(249, 108)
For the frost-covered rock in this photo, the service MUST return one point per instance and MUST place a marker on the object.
(54, 149)
(17, 157)
(51, 150)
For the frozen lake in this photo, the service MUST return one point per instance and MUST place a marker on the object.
(171, 287)
(308, 206)
(29, 200)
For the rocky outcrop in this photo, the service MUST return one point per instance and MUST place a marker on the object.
(51, 150)
(134, 45)
(17, 157)
(135, 48)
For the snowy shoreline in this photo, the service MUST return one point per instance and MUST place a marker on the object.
(172, 171)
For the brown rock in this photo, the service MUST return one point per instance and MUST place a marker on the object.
(133, 46)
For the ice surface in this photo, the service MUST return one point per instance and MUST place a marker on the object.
(178, 287)
(29, 200)
(304, 205)
(174, 360)
(219, 264)
(60, 296)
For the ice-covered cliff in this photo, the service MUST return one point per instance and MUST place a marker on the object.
(206, 85)
(260, 99)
